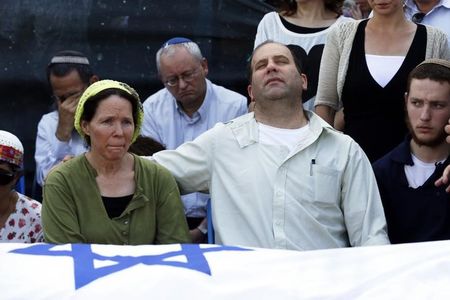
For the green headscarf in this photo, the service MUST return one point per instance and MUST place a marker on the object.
(102, 85)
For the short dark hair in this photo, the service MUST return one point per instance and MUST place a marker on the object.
(62, 69)
(292, 48)
(145, 146)
(91, 105)
(289, 7)
(430, 69)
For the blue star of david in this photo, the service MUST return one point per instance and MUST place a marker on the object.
(85, 272)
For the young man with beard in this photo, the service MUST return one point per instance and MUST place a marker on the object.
(417, 210)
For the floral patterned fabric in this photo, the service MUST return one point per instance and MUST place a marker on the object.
(24, 224)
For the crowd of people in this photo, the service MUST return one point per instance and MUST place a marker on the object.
(344, 142)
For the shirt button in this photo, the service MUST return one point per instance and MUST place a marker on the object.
(279, 194)
(278, 223)
(125, 222)
(124, 232)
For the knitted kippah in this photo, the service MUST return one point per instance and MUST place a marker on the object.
(11, 149)
(176, 40)
(436, 61)
(102, 85)
(69, 60)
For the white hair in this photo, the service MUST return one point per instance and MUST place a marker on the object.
(168, 50)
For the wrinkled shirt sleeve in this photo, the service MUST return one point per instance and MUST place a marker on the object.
(361, 202)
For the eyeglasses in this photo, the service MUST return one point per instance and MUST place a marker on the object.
(418, 17)
(6, 178)
(186, 77)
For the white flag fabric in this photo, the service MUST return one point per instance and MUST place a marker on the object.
(85, 271)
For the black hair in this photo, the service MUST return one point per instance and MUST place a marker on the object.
(289, 7)
(432, 71)
(295, 52)
(62, 69)
(145, 146)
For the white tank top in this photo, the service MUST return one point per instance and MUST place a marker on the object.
(383, 68)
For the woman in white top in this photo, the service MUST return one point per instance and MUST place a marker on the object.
(306, 24)
(364, 69)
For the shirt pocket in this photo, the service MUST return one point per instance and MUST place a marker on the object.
(326, 183)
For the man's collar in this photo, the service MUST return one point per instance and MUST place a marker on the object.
(411, 4)
(245, 127)
(204, 108)
(402, 153)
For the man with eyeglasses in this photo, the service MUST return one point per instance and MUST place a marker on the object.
(188, 105)
(69, 74)
(430, 12)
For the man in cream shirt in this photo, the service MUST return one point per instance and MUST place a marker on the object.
(281, 177)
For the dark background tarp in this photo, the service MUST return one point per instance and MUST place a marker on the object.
(121, 39)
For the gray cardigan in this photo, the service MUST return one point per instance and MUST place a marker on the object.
(335, 57)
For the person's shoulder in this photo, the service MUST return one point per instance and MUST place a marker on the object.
(237, 122)
(148, 164)
(145, 162)
(434, 31)
(446, 4)
(317, 123)
(158, 98)
(29, 202)
(270, 16)
(332, 137)
(341, 31)
(151, 169)
(382, 166)
(75, 161)
(400, 154)
(382, 162)
(66, 169)
(338, 136)
(348, 24)
(50, 117)
(28, 206)
(343, 19)
(437, 42)
(226, 95)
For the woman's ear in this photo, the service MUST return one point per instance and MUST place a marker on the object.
(85, 127)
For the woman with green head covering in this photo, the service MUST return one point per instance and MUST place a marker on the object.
(108, 195)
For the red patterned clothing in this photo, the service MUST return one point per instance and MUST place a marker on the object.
(24, 224)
